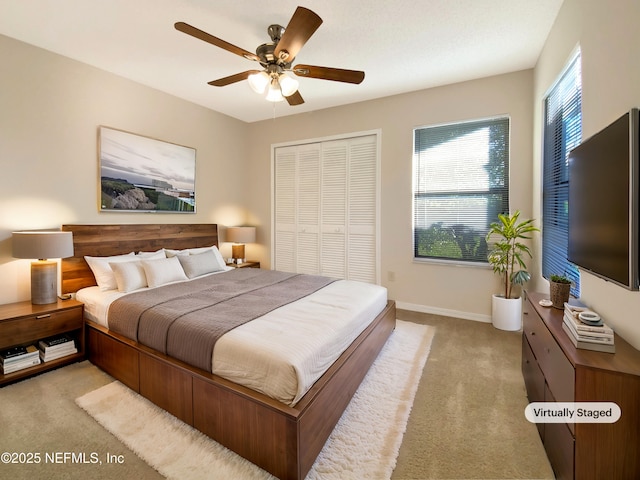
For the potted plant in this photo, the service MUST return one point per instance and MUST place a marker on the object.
(559, 290)
(507, 258)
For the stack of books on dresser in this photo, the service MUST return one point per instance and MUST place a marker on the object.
(17, 358)
(56, 347)
(587, 331)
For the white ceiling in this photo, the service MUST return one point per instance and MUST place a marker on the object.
(402, 45)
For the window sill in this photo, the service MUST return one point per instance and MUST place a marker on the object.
(451, 263)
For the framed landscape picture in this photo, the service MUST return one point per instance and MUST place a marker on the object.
(142, 174)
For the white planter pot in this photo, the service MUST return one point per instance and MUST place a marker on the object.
(506, 313)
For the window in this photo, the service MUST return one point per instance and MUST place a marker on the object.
(461, 184)
(562, 132)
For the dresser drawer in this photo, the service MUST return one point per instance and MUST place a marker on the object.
(560, 445)
(555, 366)
(24, 330)
(533, 379)
(533, 376)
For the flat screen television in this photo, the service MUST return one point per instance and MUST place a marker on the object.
(604, 183)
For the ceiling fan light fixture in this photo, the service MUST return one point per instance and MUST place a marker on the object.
(288, 85)
(274, 94)
(258, 81)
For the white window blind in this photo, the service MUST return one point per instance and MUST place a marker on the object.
(461, 184)
(562, 132)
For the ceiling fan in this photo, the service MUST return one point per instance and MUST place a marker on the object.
(276, 59)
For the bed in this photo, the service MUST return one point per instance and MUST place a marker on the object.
(282, 436)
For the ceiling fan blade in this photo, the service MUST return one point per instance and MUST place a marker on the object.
(197, 33)
(221, 82)
(327, 73)
(301, 26)
(295, 99)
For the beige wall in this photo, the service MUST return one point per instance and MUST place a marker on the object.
(48, 126)
(50, 108)
(461, 291)
(48, 144)
(609, 39)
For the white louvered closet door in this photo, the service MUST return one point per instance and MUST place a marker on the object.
(326, 208)
(362, 210)
(308, 209)
(297, 209)
(334, 209)
(285, 209)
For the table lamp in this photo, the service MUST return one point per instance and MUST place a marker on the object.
(43, 245)
(239, 236)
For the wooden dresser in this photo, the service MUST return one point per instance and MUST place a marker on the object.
(555, 371)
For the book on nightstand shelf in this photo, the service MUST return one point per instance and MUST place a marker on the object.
(588, 336)
(56, 347)
(12, 352)
(17, 358)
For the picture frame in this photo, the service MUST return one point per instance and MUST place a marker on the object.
(143, 174)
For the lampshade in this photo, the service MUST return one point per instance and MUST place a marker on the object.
(258, 81)
(42, 244)
(241, 234)
(288, 85)
(274, 94)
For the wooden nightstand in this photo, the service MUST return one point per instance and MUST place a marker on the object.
(247, 264)
(23, 324)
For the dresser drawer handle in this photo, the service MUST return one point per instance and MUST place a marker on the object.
(46, 315)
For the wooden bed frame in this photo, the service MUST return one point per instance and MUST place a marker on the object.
(281, 439)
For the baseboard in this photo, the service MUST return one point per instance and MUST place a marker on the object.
(476, 317)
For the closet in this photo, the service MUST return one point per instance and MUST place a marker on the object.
(326, 208)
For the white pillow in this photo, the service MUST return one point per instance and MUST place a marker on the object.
(199, 264)
(196, 251)
(150, 255)
(129, 275)
(101, 269)
(174, 253)
(162, 271)
(218, 255)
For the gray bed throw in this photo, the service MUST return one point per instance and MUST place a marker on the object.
(184, 320)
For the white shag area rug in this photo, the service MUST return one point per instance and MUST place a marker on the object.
(364, 444)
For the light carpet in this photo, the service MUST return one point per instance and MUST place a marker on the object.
(364, 444)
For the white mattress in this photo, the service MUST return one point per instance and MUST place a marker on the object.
(284, 352)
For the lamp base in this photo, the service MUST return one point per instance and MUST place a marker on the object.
(44, 282)
(237, 252)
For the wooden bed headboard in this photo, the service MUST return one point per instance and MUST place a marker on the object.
(107, 240)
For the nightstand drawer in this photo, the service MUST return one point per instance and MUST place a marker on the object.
(25, 330)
